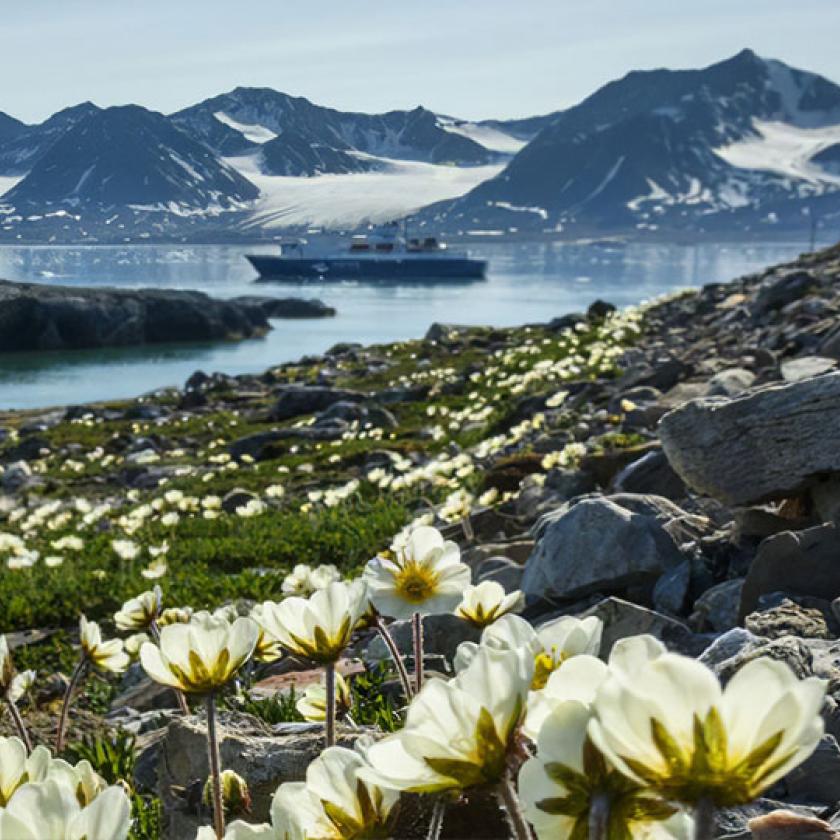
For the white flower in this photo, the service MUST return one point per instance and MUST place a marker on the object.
(107, 656)
(484, 603)
(337, 802)
(674, 728)
(318, 627)
(458, 733)
(201, 656)
(313, 704)
(50, 810)
(125, 549)
(138, 613)
(156, 569)
(550, 645)
(425, 576)
(559, 786)
(21, 683)
(582, 676)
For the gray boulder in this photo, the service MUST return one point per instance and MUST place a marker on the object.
(622, 619)
(602, 544)
(767, 444)
(295, 400)
(798, 562)
(719, 606)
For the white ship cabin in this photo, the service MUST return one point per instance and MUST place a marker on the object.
(388, 238)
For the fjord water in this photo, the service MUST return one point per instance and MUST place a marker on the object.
(526, 282)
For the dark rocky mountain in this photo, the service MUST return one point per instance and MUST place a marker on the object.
(828, 158)
(126, 156)
(307, 139)
(667, 148)
(21, 149)
(10, 128)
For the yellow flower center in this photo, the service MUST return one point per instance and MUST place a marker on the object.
(545, 664)
(416, 583)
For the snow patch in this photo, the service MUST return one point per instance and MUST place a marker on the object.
(340, 201)
(253, 132)
(491, 138)
(506, 205)
(784, 150)
(8, 182)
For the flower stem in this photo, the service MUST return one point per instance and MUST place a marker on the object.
(19, 724)
(183, 706)
(215, 767)
(75, 679)
(599, 816)
(436, 822)
(329, 720)
(507, 795)
(417, 628)
(704, 819)
(399, 662)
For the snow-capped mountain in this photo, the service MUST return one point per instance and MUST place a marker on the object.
(290, 135)
(745, 145)
(747, 141)
(128, 157)
(20, 149)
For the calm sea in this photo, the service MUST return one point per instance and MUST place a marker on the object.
(526, 282)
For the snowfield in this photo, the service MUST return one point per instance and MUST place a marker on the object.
(484, 135)
(338, 201)
(785, 150)
(9, 181)
(253, 132)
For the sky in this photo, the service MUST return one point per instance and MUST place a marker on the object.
(473, 59)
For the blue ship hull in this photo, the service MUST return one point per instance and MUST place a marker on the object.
(348, 267)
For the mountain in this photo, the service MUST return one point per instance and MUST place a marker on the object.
(128, 157)
(19, 151)
(10, 128)
(292, 136)
(744, 140)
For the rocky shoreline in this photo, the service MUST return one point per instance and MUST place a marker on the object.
(685, 483)
(36, 316)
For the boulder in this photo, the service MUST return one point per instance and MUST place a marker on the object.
(265, 759)
(730, 382)
(780, 291)
(734, 649)
(804, 367)
(799, 562)
(768, 444)
(788, 619)
(718, 607)
(295, 400)
(602, 544)
(650, 474)
(622, 619)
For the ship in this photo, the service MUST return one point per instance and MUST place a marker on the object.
(385, 254)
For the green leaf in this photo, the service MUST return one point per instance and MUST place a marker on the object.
(668, 748)
(347, 825)
(572, 805)
(568, 777)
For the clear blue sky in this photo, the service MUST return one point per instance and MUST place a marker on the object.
(470, 58)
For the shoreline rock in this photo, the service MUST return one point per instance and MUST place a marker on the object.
(35, 317)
